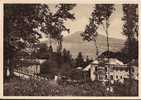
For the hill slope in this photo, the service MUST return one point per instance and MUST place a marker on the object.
(75, 44)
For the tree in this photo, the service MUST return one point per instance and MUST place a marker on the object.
(79, 60)
(133, 53)
(90, 33)
(42, 51)
(87, 62)
(69, 56)
(50, 50)
(53, 23)
(103, 13)
(100, 16)
(64, 55)
(130, 29)
(19, 22)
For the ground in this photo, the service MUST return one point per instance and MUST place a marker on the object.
(22, 87)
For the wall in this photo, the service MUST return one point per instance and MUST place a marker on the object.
(32, 69)
(116, 74)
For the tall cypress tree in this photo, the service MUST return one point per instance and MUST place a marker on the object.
(130, 29)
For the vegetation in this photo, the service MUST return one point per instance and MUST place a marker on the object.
(53, 23)
(49, 88)
(19, 87)
(18, 32)
(100, 16)
(22, 26)
(62, 64)
(79, 60)
(130, 29)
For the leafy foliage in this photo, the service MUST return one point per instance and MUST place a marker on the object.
(22, 23)
(100, 16)
(130, 29)
(20, 20)
(53, 23)
(57, 63)
(130, 19)
(80, 60)
(20, 87)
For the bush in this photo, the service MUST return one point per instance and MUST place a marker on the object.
(50, 68)
(127, 89)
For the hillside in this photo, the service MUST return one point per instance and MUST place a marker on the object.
(75, 44)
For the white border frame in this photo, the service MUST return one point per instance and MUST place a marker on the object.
(65, 1)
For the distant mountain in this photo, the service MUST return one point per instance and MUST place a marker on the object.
(75, 44)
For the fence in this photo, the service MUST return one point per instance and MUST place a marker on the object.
(27, 75)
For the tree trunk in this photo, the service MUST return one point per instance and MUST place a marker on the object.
(107, 25)
(97, 51)
(129, 66)
(11, 67)
(50, 43)
(106, 30)
(59, 47)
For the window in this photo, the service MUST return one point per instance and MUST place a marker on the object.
(111, 76)
(106, 76)
(133, 70)
(96, 68)
(126, 69)
(106, 69)
(121, 77)
(100, 77)
(116, 77)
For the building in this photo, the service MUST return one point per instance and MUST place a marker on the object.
(134, 68)
(30, 66)
(113, 70)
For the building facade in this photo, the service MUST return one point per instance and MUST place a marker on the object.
(114, 70)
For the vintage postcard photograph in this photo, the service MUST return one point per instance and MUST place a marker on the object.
(71, 49)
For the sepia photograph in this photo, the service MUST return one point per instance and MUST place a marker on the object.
(70, 49)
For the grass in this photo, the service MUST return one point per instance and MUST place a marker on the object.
(22, 87)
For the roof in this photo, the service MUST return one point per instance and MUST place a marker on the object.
(106, 54)
(79, 68)
(42, 61)
(87, 67)
(134, 62)
(112, 61)
(29, 62)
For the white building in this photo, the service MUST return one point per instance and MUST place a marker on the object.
(115, 70)
(30, 67)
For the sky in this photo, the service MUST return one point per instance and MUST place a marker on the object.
(82, 13)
